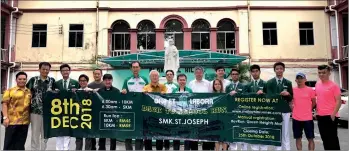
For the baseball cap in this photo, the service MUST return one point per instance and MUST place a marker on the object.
(300, 74)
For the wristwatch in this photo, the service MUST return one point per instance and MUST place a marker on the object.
(4, 118)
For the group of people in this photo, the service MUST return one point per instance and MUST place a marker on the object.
(23, 105)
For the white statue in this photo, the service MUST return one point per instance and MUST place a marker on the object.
(171, 57)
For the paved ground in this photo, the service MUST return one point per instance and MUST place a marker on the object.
(342, 132)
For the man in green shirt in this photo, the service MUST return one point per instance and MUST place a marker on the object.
(280, 85)
(233, 88)
(256, 86)
(182, 88)
(62, 143)
(170, 85)
(134, 83)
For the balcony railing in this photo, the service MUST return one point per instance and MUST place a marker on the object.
(227, 51)
(4, 55)
(115, 53)
(345, 51)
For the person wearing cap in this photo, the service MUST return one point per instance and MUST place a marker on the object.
(328, 103)
(281, 86)
(108, 86)
(65, 84)
(256, 86)
(302, 105)
(198, 85)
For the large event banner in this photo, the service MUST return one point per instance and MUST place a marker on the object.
(249, 118)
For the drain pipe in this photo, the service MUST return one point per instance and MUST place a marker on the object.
(249, 31)
(97, 32)
(338, 48)
(10, 47)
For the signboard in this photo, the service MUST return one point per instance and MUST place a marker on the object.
(197, 116)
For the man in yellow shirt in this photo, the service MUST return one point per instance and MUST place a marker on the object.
(154, 86)
(15, 109)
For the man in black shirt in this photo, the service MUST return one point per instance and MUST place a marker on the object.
(108, 86)
(90, 143)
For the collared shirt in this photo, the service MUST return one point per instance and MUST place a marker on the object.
(160, 88)
(67, 84)
(186, 90)
(170, 86)
(135, 84)
(277, 80)
(18, 105)
(225, 84)
(202, 86)
(254, 81)
(38, 88)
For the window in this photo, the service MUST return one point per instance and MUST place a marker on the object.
(3, 29)
(225, 35)
(120, 36)
(146, 35)
(200, 37)
(306, 33)
(39, 35)
(270, 34)
(173, 29)
(76, 35)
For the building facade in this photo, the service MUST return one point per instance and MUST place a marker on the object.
(338, 11)
(79, 32)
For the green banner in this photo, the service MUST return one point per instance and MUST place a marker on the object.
(250, 118)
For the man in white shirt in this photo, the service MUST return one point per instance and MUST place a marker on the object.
(220, 73)
(199, 85)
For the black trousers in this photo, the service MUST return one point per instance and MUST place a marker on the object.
(138, 144)
(112, 144)
(79, 142)
(101, 144)
(191, 145)
(148, 144)
(160, 144)
(208, 145)
(15, 137)
(176, 144)
(328, 132)
(90, 144)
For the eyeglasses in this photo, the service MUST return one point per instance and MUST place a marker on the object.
(234, 74)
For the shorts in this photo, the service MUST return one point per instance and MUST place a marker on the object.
(298, 127)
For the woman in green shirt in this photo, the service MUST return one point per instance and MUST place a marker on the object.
(217, 87)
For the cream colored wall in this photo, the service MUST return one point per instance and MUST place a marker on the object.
(133, 18)
(157, 4)
(288, 35)
(56, 4)
(168, 4)
(57, 49)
